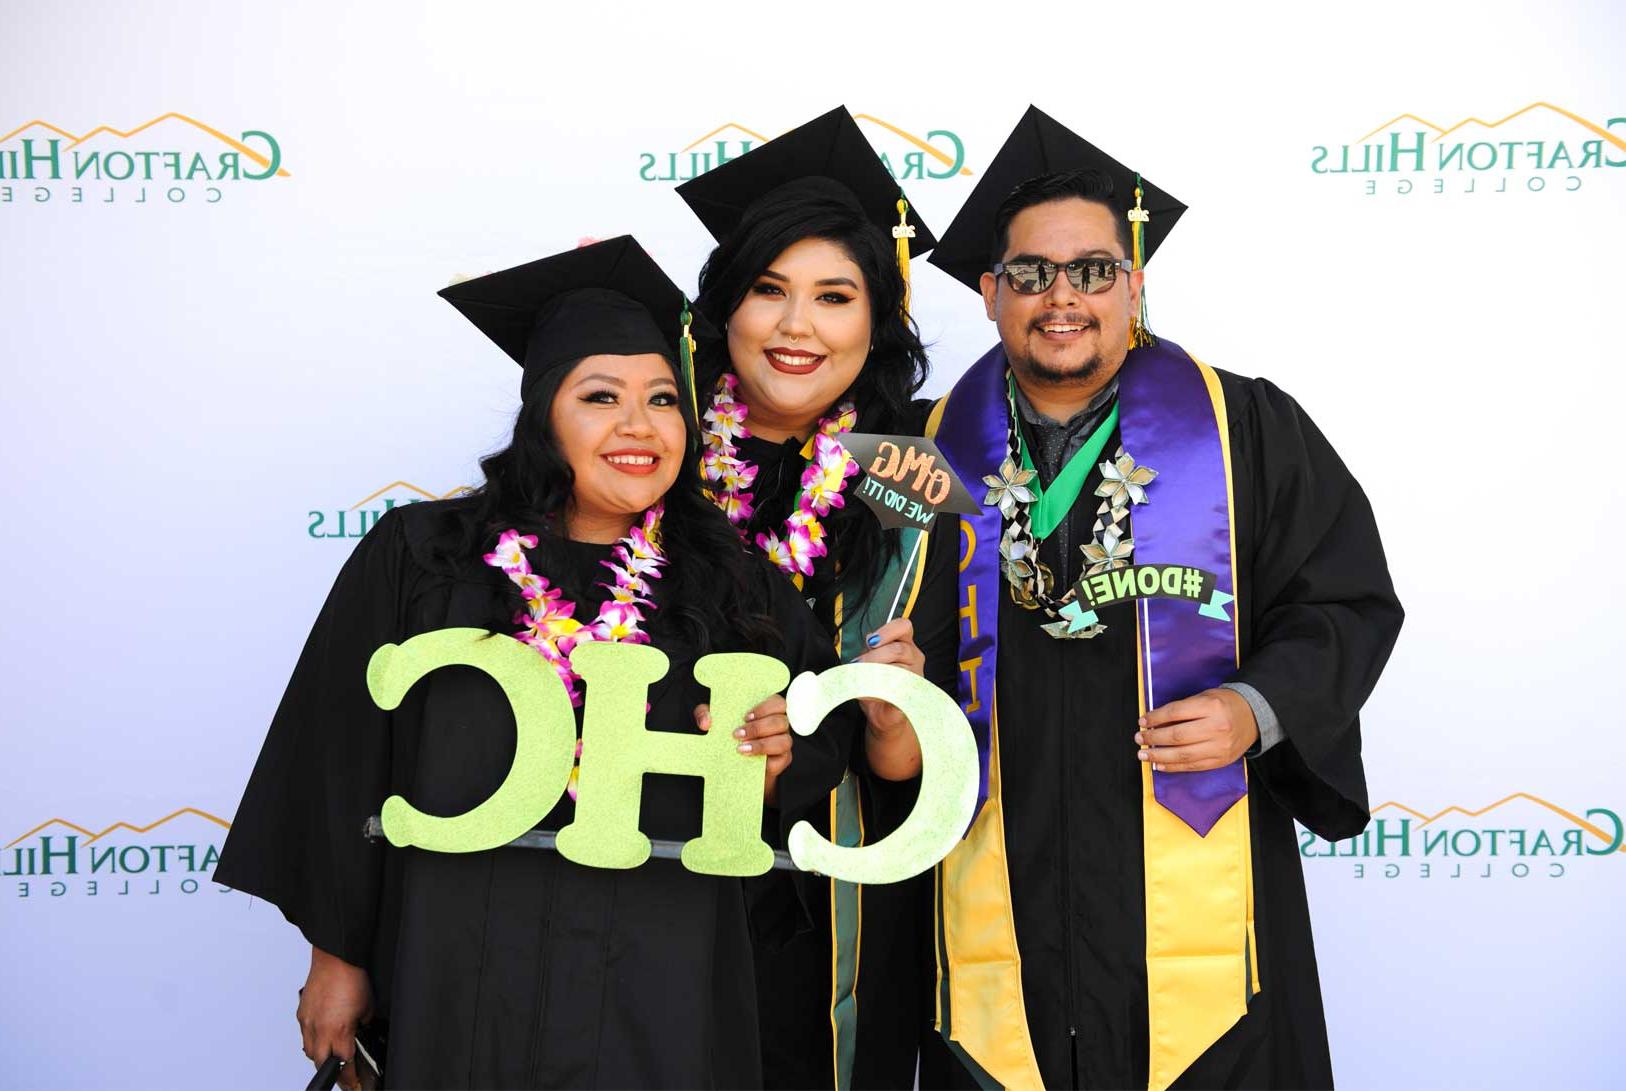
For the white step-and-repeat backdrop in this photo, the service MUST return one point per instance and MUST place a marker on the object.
(221, 231)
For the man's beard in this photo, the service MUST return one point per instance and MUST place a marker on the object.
(1030, 368)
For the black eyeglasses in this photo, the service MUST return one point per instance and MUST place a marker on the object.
(1030, 276)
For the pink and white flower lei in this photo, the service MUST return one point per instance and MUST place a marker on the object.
(803, 538)
(548, 623)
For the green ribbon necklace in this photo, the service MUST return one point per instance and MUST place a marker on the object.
(1052, 503)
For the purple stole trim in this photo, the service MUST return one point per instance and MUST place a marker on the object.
(1167, 421)
(972, 436)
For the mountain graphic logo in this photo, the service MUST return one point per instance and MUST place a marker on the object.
(1424, 820)
(90, 836)
(907, 155)
(411, 489)
(1443, 131)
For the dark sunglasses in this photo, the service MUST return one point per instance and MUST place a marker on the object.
(1088, 275)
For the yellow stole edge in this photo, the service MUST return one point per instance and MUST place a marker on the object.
(976, 928)
(1222, 420)
(987, 1011)
(1201, 954)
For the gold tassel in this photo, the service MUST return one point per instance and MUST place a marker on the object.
(1140, 334)
(901, 234)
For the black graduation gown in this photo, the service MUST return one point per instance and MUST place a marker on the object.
(507, 968)
(796, 980)
(1320, 617)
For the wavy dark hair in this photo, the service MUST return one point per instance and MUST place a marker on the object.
(711, 590)
(884, 390)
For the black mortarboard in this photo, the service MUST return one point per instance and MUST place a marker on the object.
(1041, 145)
(830, 146)
(608, 298)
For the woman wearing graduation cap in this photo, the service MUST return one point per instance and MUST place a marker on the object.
(512, 968)
(808, 284)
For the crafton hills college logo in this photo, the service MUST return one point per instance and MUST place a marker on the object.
(171, 159)
(934, 157)
(1540, 148)
(173, 855)
(1519, 836)
(355, 521)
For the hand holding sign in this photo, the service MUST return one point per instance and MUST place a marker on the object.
(907, 481)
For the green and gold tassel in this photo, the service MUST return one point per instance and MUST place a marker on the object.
(686, 347)
(1140, 332)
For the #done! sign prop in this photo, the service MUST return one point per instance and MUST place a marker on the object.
(617, 750)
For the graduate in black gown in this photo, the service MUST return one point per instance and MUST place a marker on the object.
(1098, 928)
(807, 288)
(512, 967)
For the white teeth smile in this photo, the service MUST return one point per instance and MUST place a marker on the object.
(793, 361)
(1061, 329)
(632, 460)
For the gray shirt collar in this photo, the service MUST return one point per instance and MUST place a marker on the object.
(1054, 442)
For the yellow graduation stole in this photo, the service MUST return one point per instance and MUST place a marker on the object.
(1201, 956)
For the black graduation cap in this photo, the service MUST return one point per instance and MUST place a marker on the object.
(606, 298)
(830, 147)
(1041, 145)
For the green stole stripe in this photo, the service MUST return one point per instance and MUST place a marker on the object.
(1054, 501)
(847, 827)
(844, 921)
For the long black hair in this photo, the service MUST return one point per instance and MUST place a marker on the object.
(711, 590)
(816, 208)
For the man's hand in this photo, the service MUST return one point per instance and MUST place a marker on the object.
(336, 998)
(765, 733)
(1207, 731)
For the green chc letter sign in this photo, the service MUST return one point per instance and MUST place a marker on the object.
(617, 750)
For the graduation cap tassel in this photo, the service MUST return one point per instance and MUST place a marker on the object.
(686, 348)
(1140, 332)
(901, 234)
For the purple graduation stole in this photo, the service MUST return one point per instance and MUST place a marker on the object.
(1168, 421)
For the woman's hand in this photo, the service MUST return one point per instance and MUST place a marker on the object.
(765, 732)
(337, 998)
(890, 745)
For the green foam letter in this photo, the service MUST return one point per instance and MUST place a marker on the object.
(948, 776)
(617, 750)
(544, 737)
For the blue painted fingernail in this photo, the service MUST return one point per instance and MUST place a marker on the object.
(873, 640)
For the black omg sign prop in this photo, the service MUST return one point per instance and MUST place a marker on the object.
(907, 480)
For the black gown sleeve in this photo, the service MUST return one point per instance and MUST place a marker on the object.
(1324, 615)
(296, 840)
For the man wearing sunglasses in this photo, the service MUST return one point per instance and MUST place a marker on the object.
(1169, 613)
